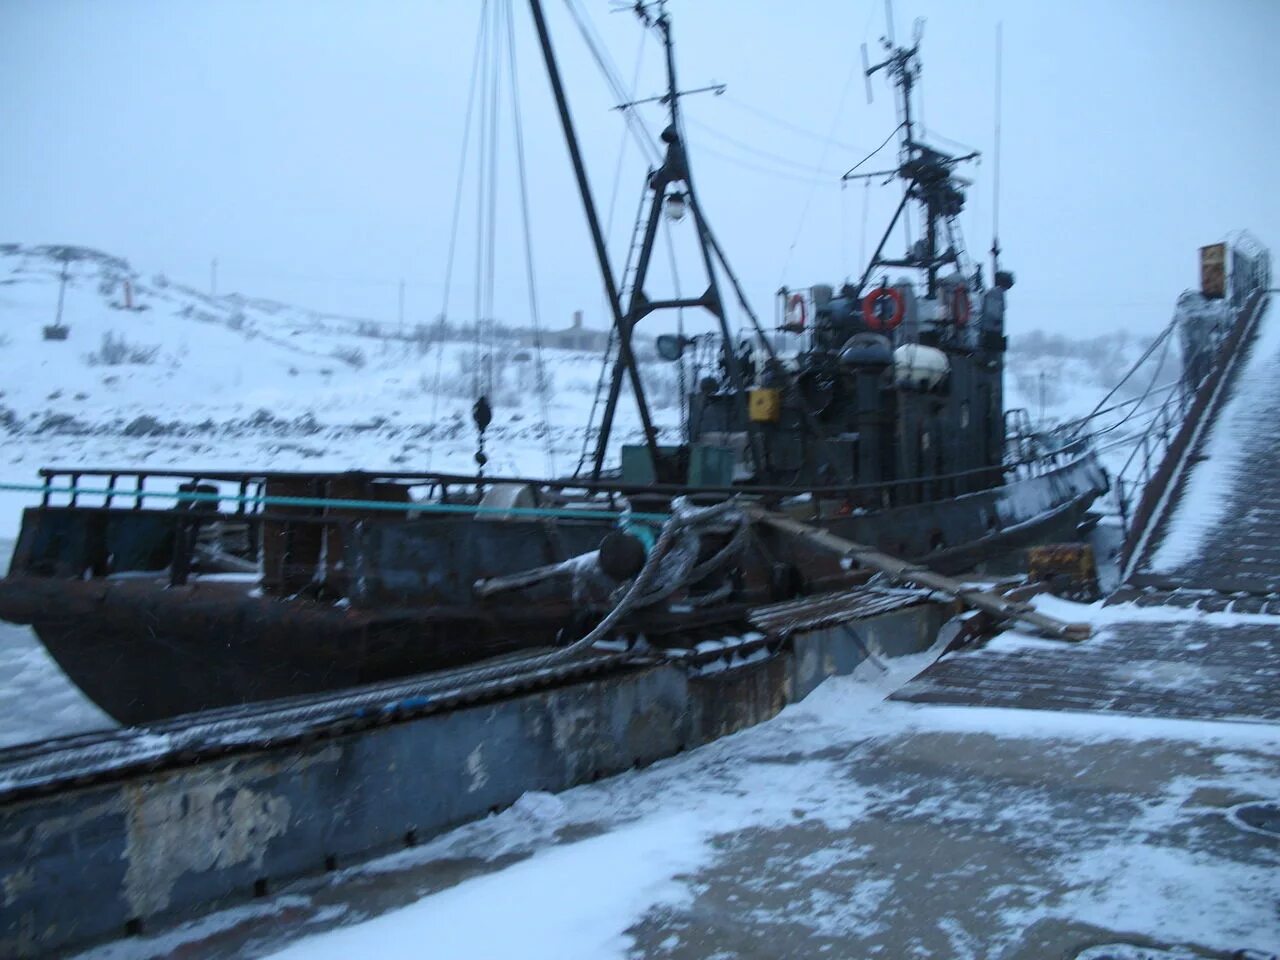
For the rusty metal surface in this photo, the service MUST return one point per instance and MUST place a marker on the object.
(1213, 271)
(148, 649)
(145, 651)
(86, 863)
(1067, 569)
(50, 766)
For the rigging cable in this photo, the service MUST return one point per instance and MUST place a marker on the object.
(884, 143)
(612, 343)
(774, 158)
(478, 286)
(844, 221)
(600, 55)
(1146, 393)
(539, 361)
(786, 124)
(950, 141)
(866, 210)
(492, 226)
(774, 173)
(995, 199)
(453, 230)
(822, 160)
(1114, 407)
(1164, 335)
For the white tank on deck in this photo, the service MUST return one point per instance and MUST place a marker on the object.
(919, 367)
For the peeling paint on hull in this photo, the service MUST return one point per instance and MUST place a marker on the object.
(85, 865)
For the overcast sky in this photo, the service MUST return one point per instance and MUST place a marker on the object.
(313, 146)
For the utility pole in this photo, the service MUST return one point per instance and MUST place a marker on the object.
(401, 310)
(213, 277)
(62, 290)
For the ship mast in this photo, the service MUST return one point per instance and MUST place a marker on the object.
(671, 190)
(626, 358)
(671, 187)
(927, 172)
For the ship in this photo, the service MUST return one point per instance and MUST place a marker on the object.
(162, 592)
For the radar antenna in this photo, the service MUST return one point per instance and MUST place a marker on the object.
(926, 170)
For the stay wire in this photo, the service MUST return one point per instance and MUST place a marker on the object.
(612, 343)
(884, 143)
(517, 122)
(622, 144)
(773, 158)
(785, 124)
(457, 212)
(1164, 335)
(774, 173)
(995, 199)
(1121, 405)
(934, 135)
(822, 161)
(481, 166)
(866, 212)
(600, 55)
(495, 116)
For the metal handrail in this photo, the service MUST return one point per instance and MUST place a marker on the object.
(1166, 428)
(1044, 461)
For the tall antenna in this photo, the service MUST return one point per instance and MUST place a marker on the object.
(995, 204)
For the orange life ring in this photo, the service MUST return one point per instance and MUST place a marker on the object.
(960, 306)
(871, 315)
(797, 305)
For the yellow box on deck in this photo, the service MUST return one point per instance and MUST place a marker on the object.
(764, 405)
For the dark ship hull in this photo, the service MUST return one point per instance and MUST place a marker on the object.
(382, 596)
(885, 427)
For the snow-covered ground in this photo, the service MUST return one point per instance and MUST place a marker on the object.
(186, 380)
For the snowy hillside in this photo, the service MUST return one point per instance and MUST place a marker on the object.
(154, 372)
(185, 378)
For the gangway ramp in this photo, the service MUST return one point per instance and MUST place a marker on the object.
(1218, 527)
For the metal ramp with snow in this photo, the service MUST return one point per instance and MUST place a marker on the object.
(1216, 523)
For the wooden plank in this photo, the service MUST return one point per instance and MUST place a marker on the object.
(901, 571)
